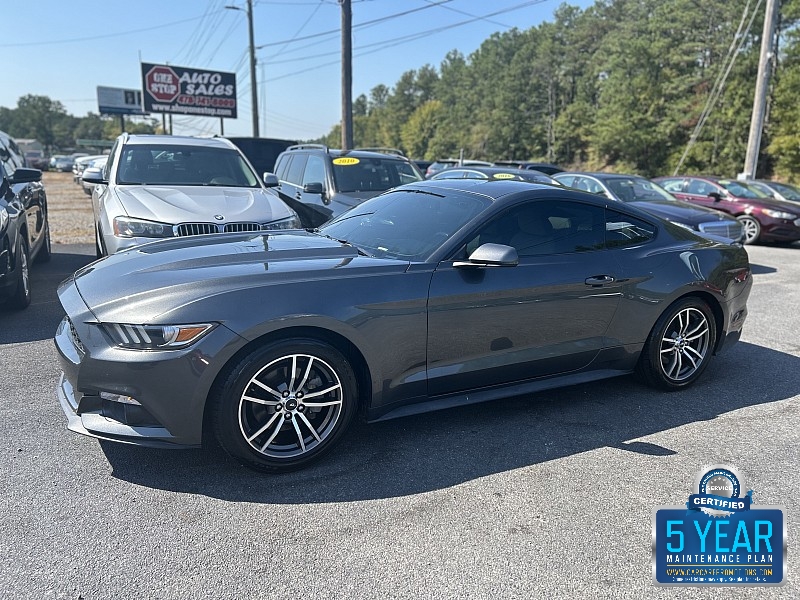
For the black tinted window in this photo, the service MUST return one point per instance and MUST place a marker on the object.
(624, 230)
(546, 227)
(295, 172)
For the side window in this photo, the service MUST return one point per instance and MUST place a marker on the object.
(546, 227)
(594, 187)
(672, 185)
(315, 171)
(294, 173)
(699, 188)
(567, 180)
(624, 230)
(280, 166)
(474, 175)
(112, 157)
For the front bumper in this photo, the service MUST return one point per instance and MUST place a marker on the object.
(171, 386)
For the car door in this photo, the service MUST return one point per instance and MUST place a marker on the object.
(545, 316)
(314, 181)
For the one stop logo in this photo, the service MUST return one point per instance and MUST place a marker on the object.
(162, 83)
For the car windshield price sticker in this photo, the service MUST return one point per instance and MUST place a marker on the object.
(719, 538)
(345, 160)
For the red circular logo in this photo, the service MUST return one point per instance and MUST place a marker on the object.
(162, 84)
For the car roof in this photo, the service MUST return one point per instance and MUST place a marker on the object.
(386, 153)
(598, 175)
(493, 189)
(177, 140)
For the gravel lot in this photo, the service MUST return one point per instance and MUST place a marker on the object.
(70, 210)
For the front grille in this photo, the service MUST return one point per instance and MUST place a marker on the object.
(726, 229)
(196, 229)
(73, 334)
(204, 228)
(240, 227)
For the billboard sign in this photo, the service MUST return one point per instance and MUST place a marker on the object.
(185, 91)
(119, 101)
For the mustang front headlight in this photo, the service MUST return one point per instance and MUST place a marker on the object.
(129, 228)
(292, 222)
(156, 337)
(779, 214)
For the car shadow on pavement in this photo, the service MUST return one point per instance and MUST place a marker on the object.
(756, 269)
(40, 320)
(442, 449)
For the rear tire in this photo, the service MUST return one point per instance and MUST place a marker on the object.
(45, 252)
(284, 405)
(679, 347)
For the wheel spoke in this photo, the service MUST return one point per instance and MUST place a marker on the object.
(294, 369)
(323, 392)
(310, 427)
(274, 433)
(692, 349)
(260, 401)
(690, 337)
(687, 355)
(318, 404)
(305, 375)
(299, 435)
(264, 428)
(266, 387)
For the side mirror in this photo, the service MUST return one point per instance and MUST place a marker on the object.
(92, 176)
(271, 180)
(491, 255)
(26, 176)
(314, 187)
(716, 196)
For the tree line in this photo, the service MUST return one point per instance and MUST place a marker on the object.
(624, 85)
(621, 86)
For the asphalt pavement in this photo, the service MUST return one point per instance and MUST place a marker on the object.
(547, 496)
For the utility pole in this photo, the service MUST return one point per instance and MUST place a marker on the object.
(253, 82)
(762, 87)
(347, 75)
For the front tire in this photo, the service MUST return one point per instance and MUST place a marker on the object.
(679, 347)
(285, 405)
(752, 229)
(22, 295)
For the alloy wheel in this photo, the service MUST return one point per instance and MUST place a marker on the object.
(290, 406)
(685, 344)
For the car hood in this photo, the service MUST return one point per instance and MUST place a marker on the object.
(204, 204)
(681, 212)
(152, 281)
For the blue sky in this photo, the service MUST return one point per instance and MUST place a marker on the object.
(65, 51)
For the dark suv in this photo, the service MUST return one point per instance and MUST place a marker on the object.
(320, 183)
(764, 218)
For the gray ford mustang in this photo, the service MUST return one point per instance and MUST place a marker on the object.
(431, 295)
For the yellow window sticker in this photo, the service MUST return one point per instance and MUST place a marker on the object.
(346, 160)
(504, 176)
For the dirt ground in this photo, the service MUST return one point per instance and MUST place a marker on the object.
(70, 210)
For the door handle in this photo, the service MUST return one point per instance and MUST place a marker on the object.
(298, 196)
(599, 280)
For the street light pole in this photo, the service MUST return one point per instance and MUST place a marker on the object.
(253, 81)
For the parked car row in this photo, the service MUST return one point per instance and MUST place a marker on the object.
(24, 228)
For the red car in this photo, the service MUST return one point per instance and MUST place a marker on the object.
(764, 218)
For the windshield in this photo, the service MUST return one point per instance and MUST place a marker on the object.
(638, 189)
(787, 191)
(355, 174)
(162, 164)
(405, 224)
(741, 190)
